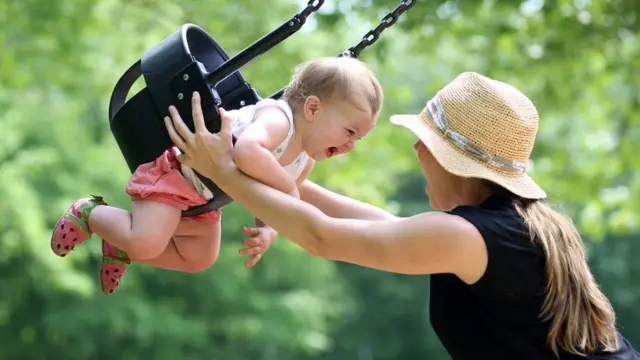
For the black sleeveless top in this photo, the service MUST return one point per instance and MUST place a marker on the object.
(497, 317)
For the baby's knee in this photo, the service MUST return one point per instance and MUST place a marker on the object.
(147, 246)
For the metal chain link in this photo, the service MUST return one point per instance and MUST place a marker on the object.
(373, 35)
(312, 6)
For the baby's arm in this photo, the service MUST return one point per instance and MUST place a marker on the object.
(253, 150)
(253, 154)
(305, 173)
(303, 176)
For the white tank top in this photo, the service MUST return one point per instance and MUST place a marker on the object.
(241, 119)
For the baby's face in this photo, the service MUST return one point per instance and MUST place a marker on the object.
(336, 127)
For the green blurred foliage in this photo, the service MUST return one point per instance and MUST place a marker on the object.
(59, 62)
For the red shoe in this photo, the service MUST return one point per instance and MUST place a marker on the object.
(114, 265)
(73, 228)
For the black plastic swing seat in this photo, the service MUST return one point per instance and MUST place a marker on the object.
(172, 70)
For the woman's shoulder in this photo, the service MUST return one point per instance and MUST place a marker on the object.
(516, 263)
(496, 218)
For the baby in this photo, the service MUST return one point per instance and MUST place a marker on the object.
(328, 105)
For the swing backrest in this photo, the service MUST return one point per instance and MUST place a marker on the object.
(172, 70)
(190, 60)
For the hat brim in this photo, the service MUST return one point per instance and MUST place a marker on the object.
(453, 160)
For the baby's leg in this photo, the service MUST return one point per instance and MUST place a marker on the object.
(142, 234)
(194, 247)
(199, 242)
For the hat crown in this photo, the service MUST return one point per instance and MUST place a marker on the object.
(490, 114)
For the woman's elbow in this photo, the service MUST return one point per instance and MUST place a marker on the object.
(316, 247)
(318, 243)
(311, 247)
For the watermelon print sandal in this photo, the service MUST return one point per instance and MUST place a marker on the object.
(73, 228)
(114, 265)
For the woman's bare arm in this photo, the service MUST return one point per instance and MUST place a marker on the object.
(336, 205)
(424, 244)
(340, 206)
(428, 243)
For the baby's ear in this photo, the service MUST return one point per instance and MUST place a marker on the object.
(311, 106)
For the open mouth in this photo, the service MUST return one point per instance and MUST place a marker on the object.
(332, 151)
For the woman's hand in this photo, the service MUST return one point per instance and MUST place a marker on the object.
(207, 153)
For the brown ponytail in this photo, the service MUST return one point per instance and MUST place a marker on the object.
(581, 317)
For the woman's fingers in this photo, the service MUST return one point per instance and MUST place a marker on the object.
(173, 134)
(180, 127)
(184, 159)
(201, 150)
(198, 116)
(226, 123)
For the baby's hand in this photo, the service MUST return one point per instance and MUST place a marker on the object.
(258, 243)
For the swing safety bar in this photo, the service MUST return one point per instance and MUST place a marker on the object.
(191, 60)
(263, 44)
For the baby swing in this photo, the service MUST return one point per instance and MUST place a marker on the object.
(191, 60)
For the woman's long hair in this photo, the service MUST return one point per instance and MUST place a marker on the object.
(581, 317)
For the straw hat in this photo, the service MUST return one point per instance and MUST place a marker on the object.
(481, 128)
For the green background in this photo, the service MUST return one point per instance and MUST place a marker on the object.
(59, 61)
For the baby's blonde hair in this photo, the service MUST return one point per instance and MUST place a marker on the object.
(332, 78)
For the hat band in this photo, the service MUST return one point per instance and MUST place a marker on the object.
(436, 110)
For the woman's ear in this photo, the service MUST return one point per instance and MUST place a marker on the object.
(311, 107)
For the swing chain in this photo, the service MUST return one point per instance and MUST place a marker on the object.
(373, 35)
(370, 38)
(312, 6)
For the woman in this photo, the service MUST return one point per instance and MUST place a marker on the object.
(509, 275)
